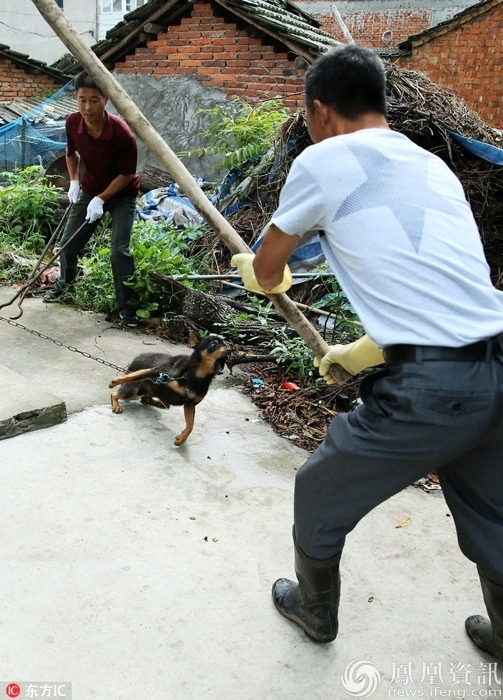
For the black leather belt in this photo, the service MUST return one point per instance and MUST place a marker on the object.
(483, 351)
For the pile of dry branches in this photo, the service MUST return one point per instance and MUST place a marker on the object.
(426, 113)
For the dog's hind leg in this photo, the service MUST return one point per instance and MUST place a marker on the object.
(189, 411)
(134, 377)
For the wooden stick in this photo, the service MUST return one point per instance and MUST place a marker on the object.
(146, 132)
(342, 24)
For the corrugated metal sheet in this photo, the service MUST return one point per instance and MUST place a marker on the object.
(43, 110)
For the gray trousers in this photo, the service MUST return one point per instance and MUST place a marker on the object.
(414, 418)
(123, 211)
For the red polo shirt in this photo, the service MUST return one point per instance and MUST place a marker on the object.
(113, 153)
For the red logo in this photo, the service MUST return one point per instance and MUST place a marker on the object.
(12, 690)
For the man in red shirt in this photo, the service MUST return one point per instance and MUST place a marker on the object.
(107, 148)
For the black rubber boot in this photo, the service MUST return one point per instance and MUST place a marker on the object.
(313, 603)
(53, 294)
(487, 634)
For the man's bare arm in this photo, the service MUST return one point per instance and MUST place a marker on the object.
(116, 186)
(72, 164)
(272, 256)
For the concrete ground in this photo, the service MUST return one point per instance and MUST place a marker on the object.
(131, 568)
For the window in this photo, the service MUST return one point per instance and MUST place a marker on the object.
(111, 6)
(59, 3)
(121, 6)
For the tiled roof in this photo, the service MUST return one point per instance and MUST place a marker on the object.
(58, 109)
(279, 19)
(285, 21)
(13, 109)
(30, 64)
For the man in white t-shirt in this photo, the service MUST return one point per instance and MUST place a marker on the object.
(398, 233)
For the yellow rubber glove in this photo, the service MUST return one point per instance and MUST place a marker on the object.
(354, 357)
(244, 264)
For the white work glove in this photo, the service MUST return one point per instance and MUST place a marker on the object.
(353, 357)
(74, 191)
(244, 264)
(94, 209)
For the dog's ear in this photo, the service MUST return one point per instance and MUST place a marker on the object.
(193, 339)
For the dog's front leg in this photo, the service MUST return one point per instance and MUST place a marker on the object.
(189, 411)
(116, 407)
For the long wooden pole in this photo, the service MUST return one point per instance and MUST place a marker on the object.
(150, 137)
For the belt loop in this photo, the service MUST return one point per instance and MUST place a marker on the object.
(419, 354)
(489, 350)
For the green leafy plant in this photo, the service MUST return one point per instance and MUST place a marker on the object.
(259, 313)
(28, 208)
(293, 355)
(160, 247)
(94, 289)
(239, 132)
(291, 352)
(344, 320)
(167, 250)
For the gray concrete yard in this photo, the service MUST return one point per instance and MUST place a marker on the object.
(134, 569)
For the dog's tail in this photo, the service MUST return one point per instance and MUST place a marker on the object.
(137, 376)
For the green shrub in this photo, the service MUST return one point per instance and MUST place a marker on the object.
(28, 210)
(294, 356)
(239, 132)
(160, 247)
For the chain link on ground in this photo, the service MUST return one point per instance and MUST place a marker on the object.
(63, 345)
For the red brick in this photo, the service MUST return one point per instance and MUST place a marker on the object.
(187, 70)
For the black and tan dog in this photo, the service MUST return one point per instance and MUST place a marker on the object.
(162, 380)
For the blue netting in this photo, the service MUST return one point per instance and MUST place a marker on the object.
(38, 137)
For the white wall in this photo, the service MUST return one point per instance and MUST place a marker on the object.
(24, 29)
(112, 12)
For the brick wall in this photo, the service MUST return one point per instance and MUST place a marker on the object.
(378, 30)
(469, 59)
(221, 55)
(16, 82)
(380, 24)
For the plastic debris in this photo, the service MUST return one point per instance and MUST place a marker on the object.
(404, 522)
(290, 386)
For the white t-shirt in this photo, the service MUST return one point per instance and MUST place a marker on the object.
(398, 234)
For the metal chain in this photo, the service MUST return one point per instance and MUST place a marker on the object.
(62, 345)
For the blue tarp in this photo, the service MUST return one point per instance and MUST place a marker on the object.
(166, 204)
(493, 154)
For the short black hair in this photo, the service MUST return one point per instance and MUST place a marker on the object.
(83, 80)
(351, 79)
